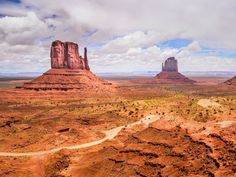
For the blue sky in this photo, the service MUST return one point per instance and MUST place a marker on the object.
(180, 43)
(175, 43)
(10, 1)
(120, 36)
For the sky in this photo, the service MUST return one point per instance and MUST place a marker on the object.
(121, 36)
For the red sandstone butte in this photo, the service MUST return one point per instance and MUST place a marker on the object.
(66, 55)
(68, 71)
(170, 74)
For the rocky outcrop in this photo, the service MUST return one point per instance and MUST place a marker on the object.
(72, 56)
(69, 71)
(164, 149)
(171, 64)
(170, 74)
(66, 56)
(69, 79)
(58, 55)
(86, 59)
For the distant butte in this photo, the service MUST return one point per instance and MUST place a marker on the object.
(68, 71)
(170, 74)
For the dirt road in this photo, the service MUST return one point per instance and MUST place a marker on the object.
(109, 134)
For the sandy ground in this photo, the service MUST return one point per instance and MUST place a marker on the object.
(208, 103)
(198, 141)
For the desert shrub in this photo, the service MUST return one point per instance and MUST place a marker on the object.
(131, 112)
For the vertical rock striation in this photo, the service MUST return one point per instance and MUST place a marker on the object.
(57, 54)
(66, 56)
(86, 59)
(170, 64)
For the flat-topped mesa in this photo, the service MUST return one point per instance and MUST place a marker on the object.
(171, 64)
(65, 55)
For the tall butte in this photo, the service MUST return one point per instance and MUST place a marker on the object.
(68, 71)
(170, 74)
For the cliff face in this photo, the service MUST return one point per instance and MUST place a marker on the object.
(70, 71)
(86, 59)
(170, 64)
(65, 55)
(57, 55)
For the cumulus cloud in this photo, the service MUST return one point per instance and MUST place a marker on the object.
(120, 34)
(136, 58)
(135, 39)
(189, 50)
(22, 30)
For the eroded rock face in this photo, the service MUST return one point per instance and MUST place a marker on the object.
(170, 74)
(170, 64)
(66, 56)
(57, 54)
(72, 55)
(70, 71)
(86, 59)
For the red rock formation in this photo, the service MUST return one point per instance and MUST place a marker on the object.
(66, 55)
(68, 79)
(171, 64)
(57, 55)
(170, 74)
(86, 59)
(72, 56)
(69, 71)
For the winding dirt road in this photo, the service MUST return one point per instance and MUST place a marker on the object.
(109, 134)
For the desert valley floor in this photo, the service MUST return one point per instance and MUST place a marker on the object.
(139, 130)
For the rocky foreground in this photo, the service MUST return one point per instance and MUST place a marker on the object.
(167, 148)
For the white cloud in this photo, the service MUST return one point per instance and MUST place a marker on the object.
(124, 32)
(135, 39)
(22, 30)
(150, 58)
(194, 47)
(189, 50)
